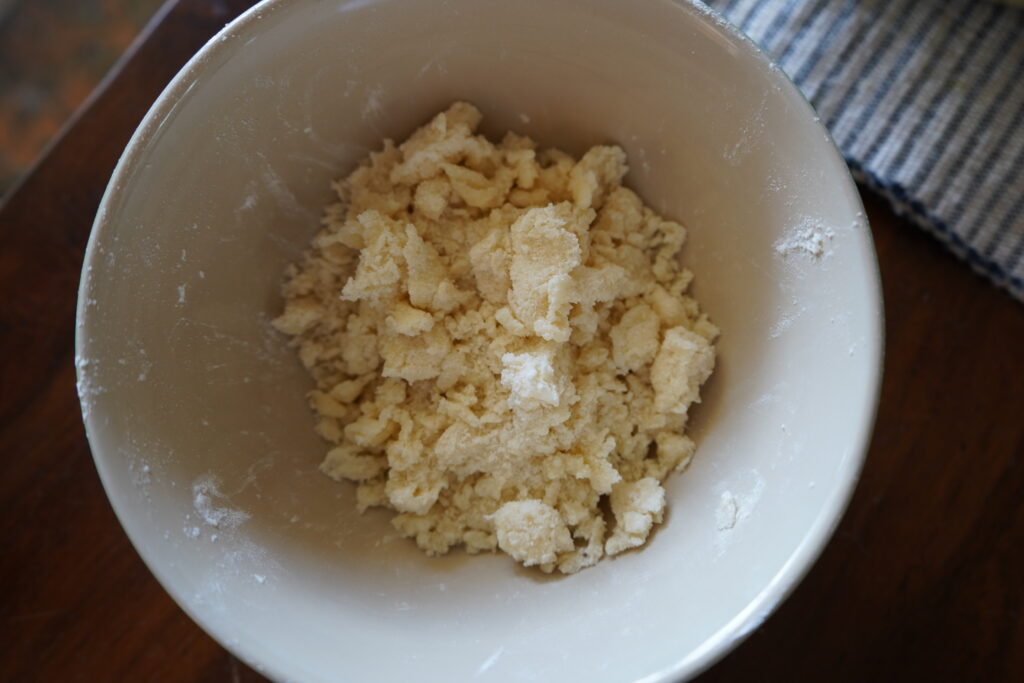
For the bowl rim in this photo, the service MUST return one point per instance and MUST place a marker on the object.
(728, 637)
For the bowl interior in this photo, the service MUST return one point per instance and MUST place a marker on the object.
(195, 407)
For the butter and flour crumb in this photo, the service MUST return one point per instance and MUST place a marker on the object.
(502, 344)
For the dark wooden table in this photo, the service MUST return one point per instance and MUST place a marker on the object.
(924, 579)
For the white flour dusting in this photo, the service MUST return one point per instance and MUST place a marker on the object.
(205, 491)
(144, 367)
(86, 385)
(734, 508)
(240, 560)
(779, 326)
(809, 238)
(248, 203)
(436, 62)
(141, 473)
(750, 135)
(284, 198)
(374, 99)
(728, 511)
(786, 320)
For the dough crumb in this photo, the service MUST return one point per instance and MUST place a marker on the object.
(502, 343)
(532, 532)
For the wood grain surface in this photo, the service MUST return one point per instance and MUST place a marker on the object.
(924, 579)
(52, 55)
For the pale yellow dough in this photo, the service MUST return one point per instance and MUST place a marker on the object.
(500, 338)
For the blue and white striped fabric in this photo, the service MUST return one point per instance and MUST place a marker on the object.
(925, 98)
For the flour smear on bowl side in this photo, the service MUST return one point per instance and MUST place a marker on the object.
(502, 345)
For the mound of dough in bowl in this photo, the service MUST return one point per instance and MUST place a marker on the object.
(502, 345)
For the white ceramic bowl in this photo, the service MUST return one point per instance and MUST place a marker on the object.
(195, 408)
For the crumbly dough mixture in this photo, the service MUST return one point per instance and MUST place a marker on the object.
(502, 344)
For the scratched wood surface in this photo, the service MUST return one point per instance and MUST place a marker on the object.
(923, 580)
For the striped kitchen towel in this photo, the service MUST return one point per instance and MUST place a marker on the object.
(925, 98)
